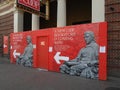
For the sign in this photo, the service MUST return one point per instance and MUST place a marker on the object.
(5, 44)
(15, 54)
(60, 45)
(57, 58)
(33, 4)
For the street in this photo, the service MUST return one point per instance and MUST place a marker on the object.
(16, 77)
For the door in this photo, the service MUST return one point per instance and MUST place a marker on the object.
(42, 52)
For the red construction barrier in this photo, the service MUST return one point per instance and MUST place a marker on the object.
(53, 46)
(5, 44)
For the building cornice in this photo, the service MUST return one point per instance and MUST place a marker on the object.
(6, 3)
(6, 7)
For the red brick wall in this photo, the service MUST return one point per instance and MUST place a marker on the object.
(108, 2)
(112, 16)
(6, 27)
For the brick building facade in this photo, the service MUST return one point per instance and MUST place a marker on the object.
(6, 21)
(112, 16)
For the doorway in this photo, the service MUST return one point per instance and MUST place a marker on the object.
(27, 21)
(42, 45)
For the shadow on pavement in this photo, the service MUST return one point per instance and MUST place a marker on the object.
(4, 60)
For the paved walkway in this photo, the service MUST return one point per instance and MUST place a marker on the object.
(16, 77)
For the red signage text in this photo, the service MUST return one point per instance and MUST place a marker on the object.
(34, 4)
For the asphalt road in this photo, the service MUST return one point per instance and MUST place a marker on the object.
(16, 77)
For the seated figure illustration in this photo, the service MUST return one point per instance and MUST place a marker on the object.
(26, 58)
(86, 63)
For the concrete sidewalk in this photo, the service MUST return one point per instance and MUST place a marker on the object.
(16, 77)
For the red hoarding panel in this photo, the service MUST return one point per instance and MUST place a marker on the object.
(69, 40)
(103, 51)
(18, 43)
(61, 44)
(5, 44)
(34, 4)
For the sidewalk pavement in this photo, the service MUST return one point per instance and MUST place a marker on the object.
(16, 77)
